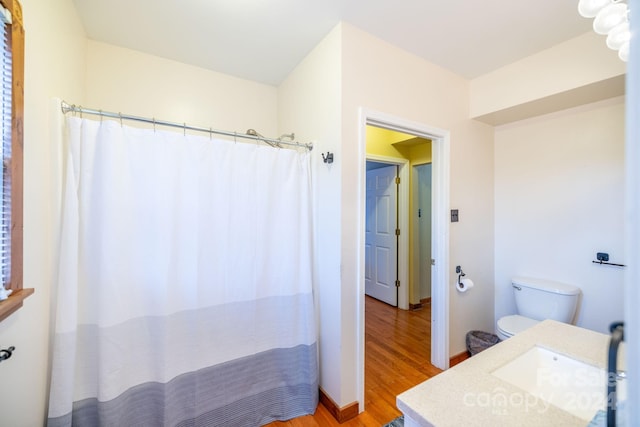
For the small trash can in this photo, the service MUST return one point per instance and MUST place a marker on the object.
(478, 341)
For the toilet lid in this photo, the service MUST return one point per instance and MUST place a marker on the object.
(510, 325)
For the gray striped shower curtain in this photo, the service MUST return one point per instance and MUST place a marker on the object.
(184, 295)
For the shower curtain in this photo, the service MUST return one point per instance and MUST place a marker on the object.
(184, 288)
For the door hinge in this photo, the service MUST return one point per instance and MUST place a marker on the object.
(397, 283)
(433, 261)
(397, 180)
(397, 231)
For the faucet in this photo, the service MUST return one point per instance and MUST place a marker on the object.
(617, 336)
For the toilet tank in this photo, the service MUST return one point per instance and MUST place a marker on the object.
(542, 299)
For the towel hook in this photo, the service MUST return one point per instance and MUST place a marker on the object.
(328, 158)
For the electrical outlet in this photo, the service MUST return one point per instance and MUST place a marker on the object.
(454, 215)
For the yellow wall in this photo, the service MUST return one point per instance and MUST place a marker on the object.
(398, 145)
(379, 142)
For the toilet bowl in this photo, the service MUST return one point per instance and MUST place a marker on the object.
(508, 326)
(537, 300)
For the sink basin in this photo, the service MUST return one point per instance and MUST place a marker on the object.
(567, 383)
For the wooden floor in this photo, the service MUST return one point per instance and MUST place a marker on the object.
(397, 355)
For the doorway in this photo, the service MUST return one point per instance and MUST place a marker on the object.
(439, 265)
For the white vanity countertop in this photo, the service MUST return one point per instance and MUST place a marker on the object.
(469, 395)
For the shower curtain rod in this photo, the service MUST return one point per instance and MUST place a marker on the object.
(66, 108)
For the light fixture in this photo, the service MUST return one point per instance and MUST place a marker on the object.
(618, 36)
(612, 20)
(590, 8)
(609, 17)
(623, 52)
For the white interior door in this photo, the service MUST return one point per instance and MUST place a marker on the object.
(381, 247)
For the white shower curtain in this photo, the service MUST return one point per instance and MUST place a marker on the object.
(184, 295)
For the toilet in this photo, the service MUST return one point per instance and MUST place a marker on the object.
(537, 300)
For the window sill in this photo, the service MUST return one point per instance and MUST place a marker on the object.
(14, 302)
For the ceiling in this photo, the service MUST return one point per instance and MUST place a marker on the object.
(264, 40)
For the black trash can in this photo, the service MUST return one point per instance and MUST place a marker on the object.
(478, 341)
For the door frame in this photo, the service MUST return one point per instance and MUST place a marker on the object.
(403, 222)
(417, 261)
(440, 159)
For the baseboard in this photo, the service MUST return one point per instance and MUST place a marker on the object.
(422, 303)
(340, 414)
(454, 360)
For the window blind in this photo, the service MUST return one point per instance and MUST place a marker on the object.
(6, 83)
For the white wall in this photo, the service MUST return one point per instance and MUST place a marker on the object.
(55, 47)
(380, 77)
(131, 82)
(559, 187)
(309, 105)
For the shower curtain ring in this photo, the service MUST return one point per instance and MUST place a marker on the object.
(184, 129)
(120, 115)
(101, 115)
(154, 125)
(210, 133)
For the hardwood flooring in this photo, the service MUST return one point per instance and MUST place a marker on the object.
(397, 355)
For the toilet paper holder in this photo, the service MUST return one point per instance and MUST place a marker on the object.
(460, 272)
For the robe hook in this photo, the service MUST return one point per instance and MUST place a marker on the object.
(328, 158)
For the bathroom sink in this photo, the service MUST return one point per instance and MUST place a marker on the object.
(559, 380)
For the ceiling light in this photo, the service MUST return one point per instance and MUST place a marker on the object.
(612, 20)
(623, 53)
(590, 8)
(618, 35)
(609, 17)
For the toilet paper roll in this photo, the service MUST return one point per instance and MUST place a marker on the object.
(464, 285)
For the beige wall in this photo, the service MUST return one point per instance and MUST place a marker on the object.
(319, 101)
(131, 82)
(560, 200)
(348, 73)
(60, 62)
(579, 71)
(405, 86)
(55, 47)
(309, 104)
